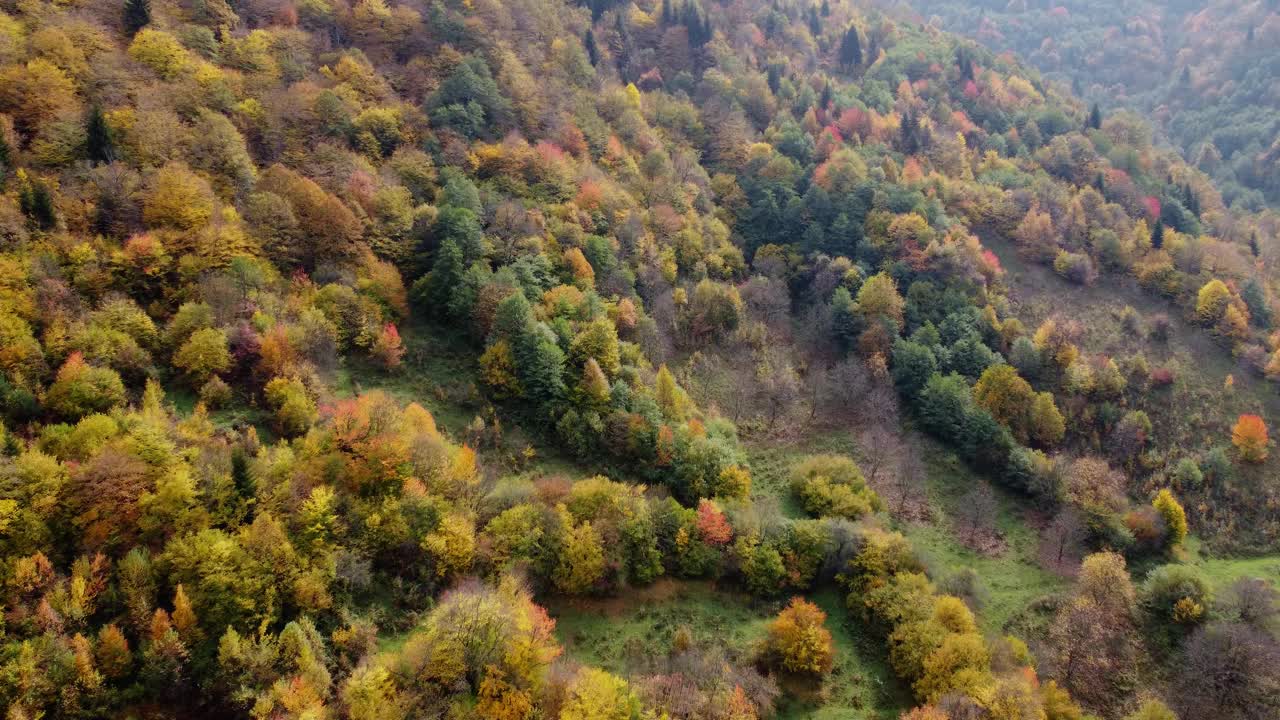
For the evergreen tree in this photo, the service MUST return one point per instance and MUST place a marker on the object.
(851, 48)
(99, 145)
(845, 323)
(964, 61)
(1255, 298)
(1095, 117)
(1190, 199)
(826, 8)
(445, 276)
(1157, 235)
(1253, 243)
(824, 101)
(6, 157)
(137, 15)
(36, 202)
(593, 51)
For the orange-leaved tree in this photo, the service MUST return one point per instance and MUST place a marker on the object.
(798, 642)
(1250, 438)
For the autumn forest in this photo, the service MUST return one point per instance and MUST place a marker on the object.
(639, 359)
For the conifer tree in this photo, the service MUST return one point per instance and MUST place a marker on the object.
(593, 51)
(1095, 117)
(99, 144)
(137, 15)
(851, 48)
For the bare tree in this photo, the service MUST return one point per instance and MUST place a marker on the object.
(840, 390)
(1063, 540)
(907, 485)
(777, 386)
(1229, 672)
(1254, 602)
(977, 511)
(881, 450)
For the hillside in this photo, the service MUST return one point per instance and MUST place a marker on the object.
(510, 360)
(1204, 71)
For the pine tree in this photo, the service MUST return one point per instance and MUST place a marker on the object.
(593, 51)
(1253, 241)
(1095, 117)
(36, 202)
(965, 63)
(100, 146)
(137, 15)
(851, 48)
(1157, 235)
(824, 101)
(5, 155)
(826, 8)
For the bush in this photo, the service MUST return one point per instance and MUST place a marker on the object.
(215, 393)
(292, 407)
(1076, 267)
(797, 642)
(1176, 593)
(833, 486)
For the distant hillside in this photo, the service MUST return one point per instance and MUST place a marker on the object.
(1206, 72)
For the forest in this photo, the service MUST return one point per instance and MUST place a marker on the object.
(643, 360)
(1203, 72)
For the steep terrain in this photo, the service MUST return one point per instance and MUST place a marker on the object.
(405, 359)
(1204, 71)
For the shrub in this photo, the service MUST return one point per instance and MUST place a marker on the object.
(292, 407)
(215, 393)
(1076, 267)
(833, 486)
(797, 641)
(1250, 438)
(1177, 593)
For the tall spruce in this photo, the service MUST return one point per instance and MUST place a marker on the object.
(593, 50)
(137, 15)
(851, 48)
(100, 147)
(1157, 235)
(1095, 117)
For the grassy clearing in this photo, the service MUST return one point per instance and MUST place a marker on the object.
(771, 465)
(1012, 579)
(1192, 416)
(622, 634)
(1222, 572)
(1195, 413)
(438, 372)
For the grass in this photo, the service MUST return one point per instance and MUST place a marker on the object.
(1222, 572)
(1190, 417)
(438, 372)
(1012, 579)
(620, 635)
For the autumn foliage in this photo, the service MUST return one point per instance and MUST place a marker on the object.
(1250, 438)
(798, 641)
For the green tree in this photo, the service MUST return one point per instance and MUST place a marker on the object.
(203, 355)
(137, 15)
(99, 144)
